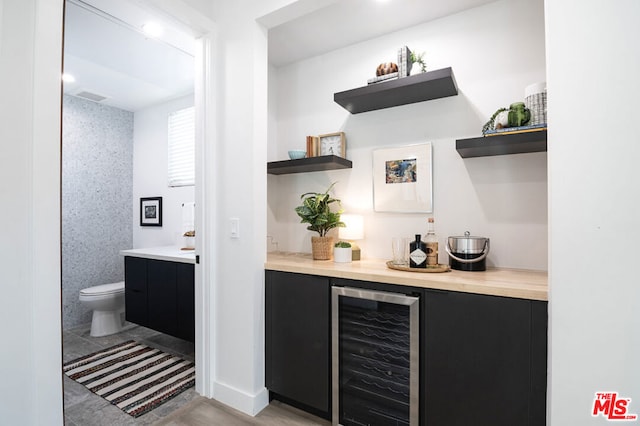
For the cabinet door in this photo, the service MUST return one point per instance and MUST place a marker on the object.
(297, 338)
(539, 327)
(161, 291)
(135, 290)
(186, 302)
(478, 360)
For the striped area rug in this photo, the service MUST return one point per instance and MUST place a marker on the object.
(132, 376)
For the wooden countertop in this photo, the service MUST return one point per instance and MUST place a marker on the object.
(518, 283)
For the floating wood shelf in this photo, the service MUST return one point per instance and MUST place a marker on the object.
(516, 143)
(304, 165)
(415, 88)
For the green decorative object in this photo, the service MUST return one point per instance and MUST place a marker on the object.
(418, 58)
(518, 114)
(515, 116)
(342, 244)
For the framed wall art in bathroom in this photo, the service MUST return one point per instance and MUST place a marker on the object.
(151, 211)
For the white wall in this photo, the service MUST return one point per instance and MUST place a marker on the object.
(495, 52)
(150, 175)
(240, 81)
(594, 152)
(594, 320)
(30, 319)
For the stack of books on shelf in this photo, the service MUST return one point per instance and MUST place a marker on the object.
(404, 67)
(512, 130)
(312, 146)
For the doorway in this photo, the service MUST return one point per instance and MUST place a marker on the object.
(104, 110)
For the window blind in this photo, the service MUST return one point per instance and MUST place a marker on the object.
(182, 135)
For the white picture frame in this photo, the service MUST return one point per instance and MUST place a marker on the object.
(403, 179)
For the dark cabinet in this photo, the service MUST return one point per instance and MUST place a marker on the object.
(485, 360)
(297, 340)
(135, 290)
(186, 302)
(160, 295)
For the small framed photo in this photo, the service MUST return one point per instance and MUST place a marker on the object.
(402, 179)
(333, 144)
(151, 211)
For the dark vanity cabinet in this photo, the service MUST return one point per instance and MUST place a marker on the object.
(297, 341)
(483, 359)
(159, 295)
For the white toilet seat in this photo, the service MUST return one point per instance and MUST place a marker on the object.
(103, 289)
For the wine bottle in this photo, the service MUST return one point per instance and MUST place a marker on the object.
(417, 253)
(431, 241)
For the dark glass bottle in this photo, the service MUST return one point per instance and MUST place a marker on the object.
(417, 253)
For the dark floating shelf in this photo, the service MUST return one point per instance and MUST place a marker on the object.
(415, 88)
(515, 143)
(304, 165)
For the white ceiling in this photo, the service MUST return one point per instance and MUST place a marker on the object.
(107, 53)
(345, 22)
(109, 56)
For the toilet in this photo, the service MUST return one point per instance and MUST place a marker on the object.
(107, 303)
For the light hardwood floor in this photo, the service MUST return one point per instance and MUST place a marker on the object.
(203, 411)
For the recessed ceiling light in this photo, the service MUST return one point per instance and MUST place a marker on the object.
(68, 78)
(153, 29)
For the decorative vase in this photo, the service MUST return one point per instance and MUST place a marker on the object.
(189, 243)
(321, 248)
(518, 115)
(342, 254)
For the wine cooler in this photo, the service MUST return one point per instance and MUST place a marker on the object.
(375, 358)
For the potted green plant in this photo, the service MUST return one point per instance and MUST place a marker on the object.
(418, 58)
(342, 252)
(316, 211)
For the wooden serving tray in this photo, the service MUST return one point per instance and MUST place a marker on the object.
(439, 268)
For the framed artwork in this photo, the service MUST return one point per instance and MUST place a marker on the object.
(333, 144)
(402, 179)
(151, 211)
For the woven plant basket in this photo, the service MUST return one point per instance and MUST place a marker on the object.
(321, 248)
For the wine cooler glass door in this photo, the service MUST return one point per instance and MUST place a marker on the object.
(375, 357)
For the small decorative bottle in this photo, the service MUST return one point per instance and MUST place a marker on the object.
(417, 253)
(431, 241)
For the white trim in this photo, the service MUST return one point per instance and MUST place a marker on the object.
(205, 219)
(247, 403)
(203, 30)
(45, 271)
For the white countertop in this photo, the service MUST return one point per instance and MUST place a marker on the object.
(169, 253)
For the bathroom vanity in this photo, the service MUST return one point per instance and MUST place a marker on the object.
(159, 290)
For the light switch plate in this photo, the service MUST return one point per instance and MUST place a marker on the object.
(234, 227)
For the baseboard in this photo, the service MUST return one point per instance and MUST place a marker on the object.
(242, 401)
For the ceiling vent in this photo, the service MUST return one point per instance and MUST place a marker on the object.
(90, 96)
